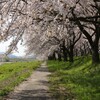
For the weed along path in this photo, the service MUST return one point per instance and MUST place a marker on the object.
(34, 88)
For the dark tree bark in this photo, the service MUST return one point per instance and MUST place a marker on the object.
(59, 56)
(71, 47)
(71, 55)
(96, 22)
(65, 55)
(76, 52)
(52, 57)
(85, 53)
(93, 44)
(95, 53)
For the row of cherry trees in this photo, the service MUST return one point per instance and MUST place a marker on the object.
(57, 29)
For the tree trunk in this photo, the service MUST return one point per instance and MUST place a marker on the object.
(59, 57)
(64, 51)
(76, 52)
(65, 57)
(53, 56)
(95, 56)
(71, 55)
(93, 44)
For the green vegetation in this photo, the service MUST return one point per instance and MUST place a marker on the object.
(14, 73)
(79, 80)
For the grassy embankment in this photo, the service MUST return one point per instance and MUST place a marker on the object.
(14, 73)
(80, 80)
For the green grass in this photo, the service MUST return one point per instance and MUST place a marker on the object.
(14, 73)
(78, 81)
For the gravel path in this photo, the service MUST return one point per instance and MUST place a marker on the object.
(4, 63)
(34, 88)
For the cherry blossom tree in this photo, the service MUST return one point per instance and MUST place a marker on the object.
(48, 25)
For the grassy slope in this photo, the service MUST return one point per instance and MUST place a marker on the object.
(13, 73)
(79, 80)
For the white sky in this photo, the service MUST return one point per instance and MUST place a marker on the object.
(4, 47)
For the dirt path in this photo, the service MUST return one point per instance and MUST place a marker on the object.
(34, 88)
(1, 63)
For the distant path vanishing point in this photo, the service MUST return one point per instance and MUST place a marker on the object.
(34, 88)
(1, 63)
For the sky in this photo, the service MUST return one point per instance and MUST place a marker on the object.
(4, 47)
